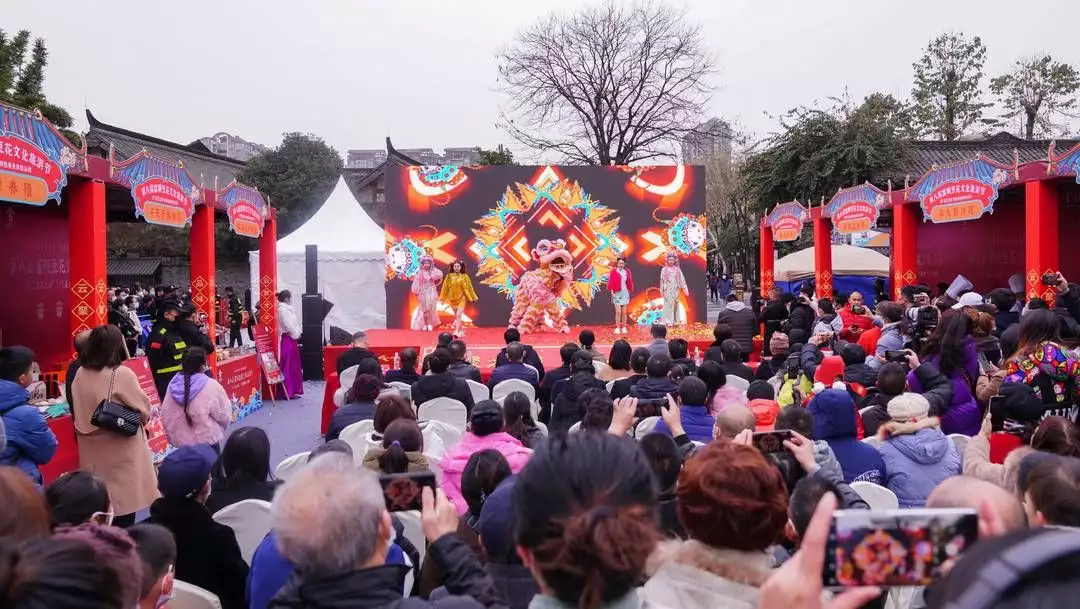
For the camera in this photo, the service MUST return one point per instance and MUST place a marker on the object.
(1051, 279)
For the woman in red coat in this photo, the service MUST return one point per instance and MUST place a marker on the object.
(621, 283)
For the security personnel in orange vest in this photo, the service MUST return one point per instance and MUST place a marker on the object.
(165, 349)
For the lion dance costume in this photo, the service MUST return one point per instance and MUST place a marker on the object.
(424, 285)
(539, 290)
(671, 283)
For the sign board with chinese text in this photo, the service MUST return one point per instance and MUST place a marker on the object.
(239, 377)
(34, 158)
(960, 191)
(246, 209)
(786, 220)
(267, 356)
(163, 191)
(855, 210)
(155, 429)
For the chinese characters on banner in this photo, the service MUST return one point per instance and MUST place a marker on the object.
(855, 210)
(34, 158)
(163, 191)
(268, 362)
(239, 377)
(155, 430)
(786, 220)
(245, 208)
(961, 191)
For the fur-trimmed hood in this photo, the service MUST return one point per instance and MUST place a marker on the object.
(692, 575)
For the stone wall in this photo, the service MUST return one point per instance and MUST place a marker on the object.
(177, 271)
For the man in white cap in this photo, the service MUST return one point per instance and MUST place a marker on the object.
(1016, 286)
(969, 299)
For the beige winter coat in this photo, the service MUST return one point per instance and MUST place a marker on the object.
(125, 464)
(692, 575)
(977, 463)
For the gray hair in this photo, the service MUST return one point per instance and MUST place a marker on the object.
(326, 518)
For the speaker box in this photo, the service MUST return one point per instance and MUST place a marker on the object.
(314, 310)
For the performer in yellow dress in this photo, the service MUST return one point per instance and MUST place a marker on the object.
(456, 291)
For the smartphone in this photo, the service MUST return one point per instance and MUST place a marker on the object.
(403, 491)
(771, 441)
(1050, 279)
(997, 417)
(896, 355)
(651, 407)
(405, 393)
(895, 547)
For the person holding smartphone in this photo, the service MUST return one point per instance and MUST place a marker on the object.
(856, 318)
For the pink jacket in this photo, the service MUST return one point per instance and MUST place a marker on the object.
(614, 281)
(453, 462)
(208, 406)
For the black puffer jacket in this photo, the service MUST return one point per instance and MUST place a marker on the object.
(653, 388)
(564, 410)
(742, 322)
(801, 317)
(380, 587)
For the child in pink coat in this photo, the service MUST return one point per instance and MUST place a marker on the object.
(486, 432)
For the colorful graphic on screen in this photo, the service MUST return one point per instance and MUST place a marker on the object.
(560, 228)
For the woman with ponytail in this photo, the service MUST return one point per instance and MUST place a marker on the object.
(402, 450)
(196, 409)
(585, 513)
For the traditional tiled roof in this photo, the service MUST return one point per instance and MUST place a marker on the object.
(923, 155)
(132, 267)
(203, 165)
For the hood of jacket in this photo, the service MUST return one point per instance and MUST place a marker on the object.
(834, 414)
(176, 386)
(735, 305)
(693, 575)
(454, 461)
(375, 587)
(861, 374)
(926, 446)
(12, 394)
(653, 387)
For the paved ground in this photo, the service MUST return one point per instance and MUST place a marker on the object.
(293, 426)
(713, 309)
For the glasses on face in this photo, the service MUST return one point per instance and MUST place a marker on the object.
(103, 518)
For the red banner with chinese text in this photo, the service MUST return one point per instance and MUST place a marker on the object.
(155, 430)
(268, 361)
(160, 201)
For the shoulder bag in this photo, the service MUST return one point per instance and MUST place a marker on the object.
(114, 416)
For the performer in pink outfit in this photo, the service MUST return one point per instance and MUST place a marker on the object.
(425, 285)
(621, 283)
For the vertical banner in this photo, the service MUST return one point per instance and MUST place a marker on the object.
(155, 430)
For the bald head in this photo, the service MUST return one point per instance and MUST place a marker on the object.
(80, 341)
(968, 492)
(733, 419)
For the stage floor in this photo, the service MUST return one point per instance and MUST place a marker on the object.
(485, 343)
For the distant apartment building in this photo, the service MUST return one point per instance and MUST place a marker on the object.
(373, 157)
(708, 140)
(232, 146)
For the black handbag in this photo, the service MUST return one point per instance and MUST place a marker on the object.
(116, 417)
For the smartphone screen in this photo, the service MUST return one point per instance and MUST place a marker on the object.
(405, 393)
(771, 441)
(895, 547)
(403, 491)
(650, 407)
(896, 355)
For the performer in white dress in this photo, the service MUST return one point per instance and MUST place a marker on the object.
(671, 282)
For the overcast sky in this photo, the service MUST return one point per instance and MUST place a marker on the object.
(423, 71)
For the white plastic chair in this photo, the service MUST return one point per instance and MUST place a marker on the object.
(879, 497)
(576, 427)
(645, 426)
(541, 427)
(410, 521)
(250, 520)
(505, 388)
(347, 378)
(447, 410)
(737, 382)
(960, 441)
(399, 385)
(438, 435)
(609, 385)
(356, 436)
(190, 596)
(599, 366)
(872, 441)
(479, 390)
(290, 465)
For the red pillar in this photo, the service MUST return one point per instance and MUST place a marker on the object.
(268, 277)
(203, 266)
(904, 238)
(1041, 237)
(767, 255)
(86, 241)
(823, 256)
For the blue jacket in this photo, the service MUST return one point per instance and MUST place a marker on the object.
(916, 463)
(522, 372)
(697, 422)
(834, 422)
(30, 442)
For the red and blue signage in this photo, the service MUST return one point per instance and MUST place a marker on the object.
(34, 158)
(246, 209)
(1067, 165)
(856, 209)
(164, 192)
(786, 220)
(961, 191)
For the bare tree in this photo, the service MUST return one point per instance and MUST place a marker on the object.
(609, 85)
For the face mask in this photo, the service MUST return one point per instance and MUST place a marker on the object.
(35, 377)
(167, 592)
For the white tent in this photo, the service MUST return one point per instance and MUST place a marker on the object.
(351, 262)
(846, 260)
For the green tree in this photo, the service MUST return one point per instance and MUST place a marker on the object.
(22, 79)
(500, 155)
(1037, 90)
(946, 93)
